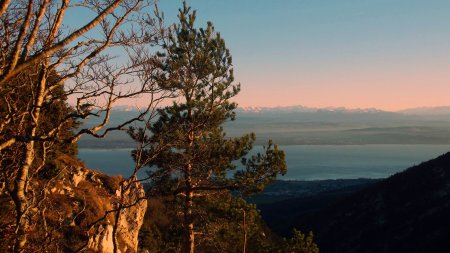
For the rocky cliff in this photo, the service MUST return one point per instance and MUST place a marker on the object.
(78, 209)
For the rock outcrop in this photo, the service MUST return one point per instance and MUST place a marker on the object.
(77, 209)
(130, 219)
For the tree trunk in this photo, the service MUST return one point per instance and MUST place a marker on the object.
(189, 240)
(20, 199)
(244, 226)
(189, 246)
(19, 190)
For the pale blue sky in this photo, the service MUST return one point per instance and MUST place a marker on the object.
(356, 53)
(387, 54)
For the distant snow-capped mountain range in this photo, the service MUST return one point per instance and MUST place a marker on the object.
(438, 110)
(300, 108)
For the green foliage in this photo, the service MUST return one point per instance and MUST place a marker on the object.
(161, 231)
(301, 243)
(220, 226)
(189, 153)
(197, 67)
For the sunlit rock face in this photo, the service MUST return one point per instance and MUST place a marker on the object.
(129, 222)
(75, 210)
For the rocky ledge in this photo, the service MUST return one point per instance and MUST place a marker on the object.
(77, 209)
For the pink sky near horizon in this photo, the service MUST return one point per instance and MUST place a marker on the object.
(384, 54)
(387, 89)
(351, 89)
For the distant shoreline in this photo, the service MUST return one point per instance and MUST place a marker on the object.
(128, 147)
(305, 162)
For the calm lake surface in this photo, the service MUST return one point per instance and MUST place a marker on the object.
(305, 162)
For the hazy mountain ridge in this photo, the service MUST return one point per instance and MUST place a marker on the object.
(301, 125)
(438, 110)
(301, 108)
(424, 110)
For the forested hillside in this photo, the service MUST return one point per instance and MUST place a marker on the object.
(407, 212)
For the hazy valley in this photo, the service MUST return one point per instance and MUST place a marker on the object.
(313, 126)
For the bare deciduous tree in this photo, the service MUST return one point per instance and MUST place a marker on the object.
(44, 61)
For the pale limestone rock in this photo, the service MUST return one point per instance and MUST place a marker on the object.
(2, 188)
(102, 240)
(67, 188)
(78, 175)
(130, 221)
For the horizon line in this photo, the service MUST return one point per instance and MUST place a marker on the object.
(298, 106)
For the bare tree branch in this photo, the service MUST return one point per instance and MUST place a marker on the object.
(3, 6)
(58, 46)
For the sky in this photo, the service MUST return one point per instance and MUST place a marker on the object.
(385, 54)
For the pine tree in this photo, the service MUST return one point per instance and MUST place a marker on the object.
(197, 158)
(225, 223)
(301, 243)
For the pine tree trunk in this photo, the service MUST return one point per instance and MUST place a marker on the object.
(244, 226)
(189, 224)
(188, 219)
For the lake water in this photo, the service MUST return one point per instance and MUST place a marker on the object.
(305, 162)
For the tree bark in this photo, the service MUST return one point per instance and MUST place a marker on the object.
(244, 225)
(20, 199)
(19, 191)
(189, 194)
(3, 6)
(188, 219)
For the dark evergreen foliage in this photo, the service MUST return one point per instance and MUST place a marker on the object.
(193, 157)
